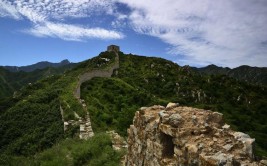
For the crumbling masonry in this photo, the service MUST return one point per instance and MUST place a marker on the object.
(186, 136)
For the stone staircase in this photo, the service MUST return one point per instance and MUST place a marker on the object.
(86, 130)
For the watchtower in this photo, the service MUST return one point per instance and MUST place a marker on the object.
(113, 48)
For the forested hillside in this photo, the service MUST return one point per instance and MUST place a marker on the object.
(31, 122)
(143, 81)
(13, 81)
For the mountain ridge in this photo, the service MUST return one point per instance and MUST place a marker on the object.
(12, 81)
(38, 65)
(250, 74)
(253, 75)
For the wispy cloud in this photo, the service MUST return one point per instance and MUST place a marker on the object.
(7, 10)
(48, 18)
(72, 32)
(224, 32)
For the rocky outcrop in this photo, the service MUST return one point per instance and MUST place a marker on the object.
(186, 136)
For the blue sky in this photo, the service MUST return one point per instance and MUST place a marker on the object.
(197, 33)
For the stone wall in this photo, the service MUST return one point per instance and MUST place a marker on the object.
(113, 48)
(86, 130)
(186, 136)
(95, 73)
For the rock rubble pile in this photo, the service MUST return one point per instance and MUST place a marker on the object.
(184, 136)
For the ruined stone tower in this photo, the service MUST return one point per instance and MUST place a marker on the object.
(113, 48)
(185, 136)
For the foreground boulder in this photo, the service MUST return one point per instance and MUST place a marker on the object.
(186, 136)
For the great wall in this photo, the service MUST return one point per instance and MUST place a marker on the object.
(86, 130)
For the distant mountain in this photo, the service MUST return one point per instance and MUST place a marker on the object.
(12, 80)
(39, 65)
(254, 75)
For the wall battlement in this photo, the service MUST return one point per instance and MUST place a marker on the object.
(113, 48)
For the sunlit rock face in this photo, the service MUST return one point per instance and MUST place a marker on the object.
(183, 136)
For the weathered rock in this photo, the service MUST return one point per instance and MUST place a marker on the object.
(143, 108)
(247, 141)
(172, 105)
(164, 116)
(228, 147)
(175, 120)
(226, 126)
(186, 136)
(217, 118)
(118, 142)
(194, 119)
(263, 163)
(219, 159)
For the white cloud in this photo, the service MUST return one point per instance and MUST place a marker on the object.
(47, 17)
(7, 10)
(71, 32)
(224, 32)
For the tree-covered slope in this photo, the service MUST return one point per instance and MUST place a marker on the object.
(112, 102)
(96, 151)
(31, 121)
(13, 81)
